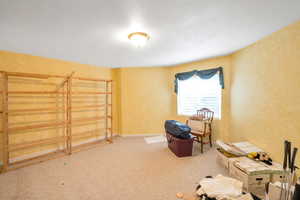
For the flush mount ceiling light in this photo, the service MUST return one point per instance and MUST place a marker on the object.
(138, 39)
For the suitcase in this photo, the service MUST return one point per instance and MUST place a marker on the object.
(178, 129)
(180, 147)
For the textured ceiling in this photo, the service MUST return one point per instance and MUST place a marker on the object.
(95, 31)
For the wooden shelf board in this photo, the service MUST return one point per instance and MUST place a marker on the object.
(88, 119)
(29, 127)
(86, 146)
(25, 145)
(88, 106)
(34, 109)
(87, 132)
(91, 93)
(35, 160)
(35, 92)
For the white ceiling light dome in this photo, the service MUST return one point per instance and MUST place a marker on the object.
(138, 39)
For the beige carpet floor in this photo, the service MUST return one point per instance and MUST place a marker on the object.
(128, 169)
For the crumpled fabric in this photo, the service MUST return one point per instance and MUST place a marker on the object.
(222, 188)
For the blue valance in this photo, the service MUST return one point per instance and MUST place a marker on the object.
(204, 74)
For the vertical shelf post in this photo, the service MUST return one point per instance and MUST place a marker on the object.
(70, 112)
(65, 127)
(111, 110)
(5, 120)
(69, 115)
(67, 118)
(106, 110)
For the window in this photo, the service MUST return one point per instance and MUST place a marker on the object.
(196, 93)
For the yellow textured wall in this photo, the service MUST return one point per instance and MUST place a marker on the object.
(220, 126)
(265, 94)
(14, 62)
(117, 104)
(147, 97)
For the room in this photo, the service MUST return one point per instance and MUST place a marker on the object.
(88, 87)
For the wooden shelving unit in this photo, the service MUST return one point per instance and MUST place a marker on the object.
(64, 93)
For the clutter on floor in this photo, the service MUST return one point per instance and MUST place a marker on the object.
(223, 158)
(177, 129)
(179, 195)
(257, 171)
(218, 188)
(230, 149)
(185, 196)
(251, 169)
(250, 165)
(180, 147)
(179, 139)
(261, 156)
(253, 174)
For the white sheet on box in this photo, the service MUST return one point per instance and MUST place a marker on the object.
(247, 147)
(229, 148)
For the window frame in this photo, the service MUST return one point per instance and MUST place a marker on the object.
(189, 115)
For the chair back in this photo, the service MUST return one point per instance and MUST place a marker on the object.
(207, 114)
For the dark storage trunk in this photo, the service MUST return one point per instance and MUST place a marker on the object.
(180, 147)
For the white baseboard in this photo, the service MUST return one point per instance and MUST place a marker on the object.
(141, 135)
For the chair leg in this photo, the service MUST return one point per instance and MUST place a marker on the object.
(210, 142)
(201, 144)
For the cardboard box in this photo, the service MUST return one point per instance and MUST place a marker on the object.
(223, 159)
(276, 177)
(249, 180)
(276, 172)
(252, 182)
(274, 191)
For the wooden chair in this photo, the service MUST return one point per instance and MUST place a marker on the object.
(202, 128)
